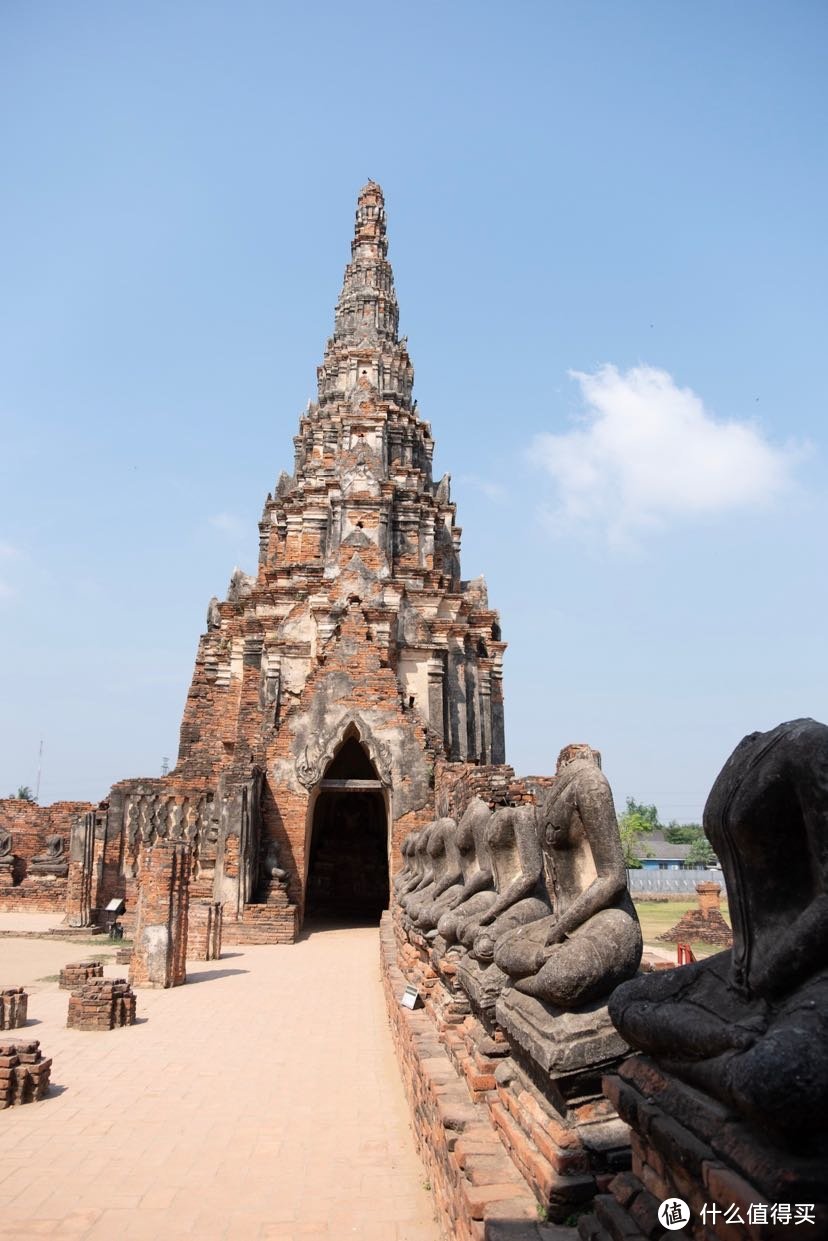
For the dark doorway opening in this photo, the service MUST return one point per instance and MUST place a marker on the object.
(348, 865)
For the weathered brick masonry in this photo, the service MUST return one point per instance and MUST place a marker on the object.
(34, 854)
(479, 1193)
(332, 686)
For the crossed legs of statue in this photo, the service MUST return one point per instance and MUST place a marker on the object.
(585, 964)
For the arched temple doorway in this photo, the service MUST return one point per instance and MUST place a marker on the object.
(348, 862)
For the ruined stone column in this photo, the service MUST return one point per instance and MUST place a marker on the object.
(160, 951)
(204, 931)
(79, 879)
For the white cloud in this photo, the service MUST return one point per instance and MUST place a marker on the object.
(646, 450)
(228, 523)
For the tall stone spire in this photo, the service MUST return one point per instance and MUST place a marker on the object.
(365, 349)
(367, 309)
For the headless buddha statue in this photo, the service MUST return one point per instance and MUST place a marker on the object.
(590, 940)
(434, 858)
(750, 1025)
(406, 871)
(477, 894)
(417, 876)
(517, 867)
(448, 876)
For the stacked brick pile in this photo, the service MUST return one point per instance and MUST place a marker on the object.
(204, 931)
(24, 1074)
(13, 1005)
(479, 1193)
(705, 922)
(101, 1004)
(123, 956)
(78, 973)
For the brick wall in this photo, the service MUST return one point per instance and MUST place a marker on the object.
(30, 825)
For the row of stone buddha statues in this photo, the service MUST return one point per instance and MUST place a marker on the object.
(532, 895)
(532, 902)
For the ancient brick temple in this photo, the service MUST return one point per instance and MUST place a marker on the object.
(329, 684)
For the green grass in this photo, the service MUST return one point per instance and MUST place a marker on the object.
(656, 917)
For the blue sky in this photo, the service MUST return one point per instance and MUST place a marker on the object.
(607, 228)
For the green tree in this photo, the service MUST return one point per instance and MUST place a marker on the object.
(633, 826)
(682, 833)
(24, 793)
(701, 852)
(648, 814)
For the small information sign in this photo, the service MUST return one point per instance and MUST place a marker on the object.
(411, 997)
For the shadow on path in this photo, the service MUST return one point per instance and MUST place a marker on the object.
(209, 975)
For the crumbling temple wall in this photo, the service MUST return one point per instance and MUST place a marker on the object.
(34, 854)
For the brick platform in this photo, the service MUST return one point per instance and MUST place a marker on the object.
(102, 1004)
(24, 1074)
(13, 1006)
(689, 1146)
(479, 1193)
(263, 924)
(79, 972)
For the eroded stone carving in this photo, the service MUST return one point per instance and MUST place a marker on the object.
(591, 939)
(447, 885)
(750, 1025)
(478, 892)
(54, 859)
(314, 759)
(517, 868)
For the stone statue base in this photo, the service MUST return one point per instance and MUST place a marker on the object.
(482, 984)
(45, 869)
(564, 1045)
(686, 1145)
(566, 1138)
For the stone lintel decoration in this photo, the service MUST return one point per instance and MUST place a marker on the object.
(737, 1045)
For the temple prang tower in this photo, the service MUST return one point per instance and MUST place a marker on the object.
(331, 687)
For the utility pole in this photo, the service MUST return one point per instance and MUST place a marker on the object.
(39, 770)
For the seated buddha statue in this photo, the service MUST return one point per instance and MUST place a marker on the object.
(749, 1026)
(590, 939)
